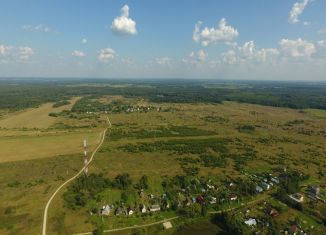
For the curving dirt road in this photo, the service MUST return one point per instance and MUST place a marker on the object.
(45, 215)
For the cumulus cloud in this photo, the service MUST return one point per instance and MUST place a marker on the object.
(37, 28)
(248, 53)
(297, 10)
(25, 53)
(163, 60)
(196, 57)
(5, 50)
(106, 55)
(297, 48)
(123, 25)
(84, 41)
(77, 53)
(224, 33)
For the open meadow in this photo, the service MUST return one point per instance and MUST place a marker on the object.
(157, 153)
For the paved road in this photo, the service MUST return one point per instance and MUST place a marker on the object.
(173, 218)
(45, 215)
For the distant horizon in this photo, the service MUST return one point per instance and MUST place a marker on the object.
(281, 40)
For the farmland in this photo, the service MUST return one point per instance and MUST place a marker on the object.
(161, 147)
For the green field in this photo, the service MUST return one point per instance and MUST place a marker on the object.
(217, 141)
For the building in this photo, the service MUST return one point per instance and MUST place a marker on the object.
(155, 208)
(233, 197)
(297, 197)
(167, 225)
(314, 190)
(251, 222)
(106, 210)
(259, 189)
(265, 186)
(143, 209)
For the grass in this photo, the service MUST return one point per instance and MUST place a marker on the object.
(317, 112)
(34, 117)
(32, 181)
(18, 148)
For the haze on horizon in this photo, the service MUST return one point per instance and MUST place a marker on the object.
(228, 39)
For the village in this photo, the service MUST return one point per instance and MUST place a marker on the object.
(192, 197)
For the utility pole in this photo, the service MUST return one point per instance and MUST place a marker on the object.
(85, 157)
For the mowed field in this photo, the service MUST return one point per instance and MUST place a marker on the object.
(28, 135)
(34, 117)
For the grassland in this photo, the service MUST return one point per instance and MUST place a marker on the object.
(281, 137)
(48, 153)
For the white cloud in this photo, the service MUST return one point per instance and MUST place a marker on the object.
(25, 53)
(322, 43)
(37, 28)
(196, 57)
(5, 50)
(106, 55)
(84, 41)
(124, 25)
(78, 53)
(224, 33)
(230, 57)
(322, 31)
(163, 60)
(248, 53)
(297, 48)
(306, 23)
(297, 10)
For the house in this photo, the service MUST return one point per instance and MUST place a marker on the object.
(314, 190)
(251, 222)
(265, 186)
(212, 200)
(141, 193)
(297, 197)
(272, 212)
(106, 210)
(155, 208)
(293, 230)
(210, 186)
(187, 202)
(275, 180)
(200, 199)
(167, 225)
(130, 211)
(193, 199)
(143, 209)
(259, 189)
(233, 197)
(119, 211)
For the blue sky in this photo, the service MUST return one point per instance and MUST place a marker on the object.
(252, 39)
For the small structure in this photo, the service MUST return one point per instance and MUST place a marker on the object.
(265, 186)
(155, 208)
(272, 212)
(212, 200)
(130, 211)
(314, 190)
(275, 180)
(119, 211)
(251, 222)
(167, 225)
(106, 210)
(199, 199)
(143, 209)
(259, 189)
(233, 197)
(293, 230)
(297, 197)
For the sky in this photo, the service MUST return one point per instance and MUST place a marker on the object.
(209, 39)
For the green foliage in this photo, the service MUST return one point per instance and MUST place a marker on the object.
(181, 146)
(143, 183)
(60, 103)
(209, 160)
(192, 211)
(122, 181)
(246, 128)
